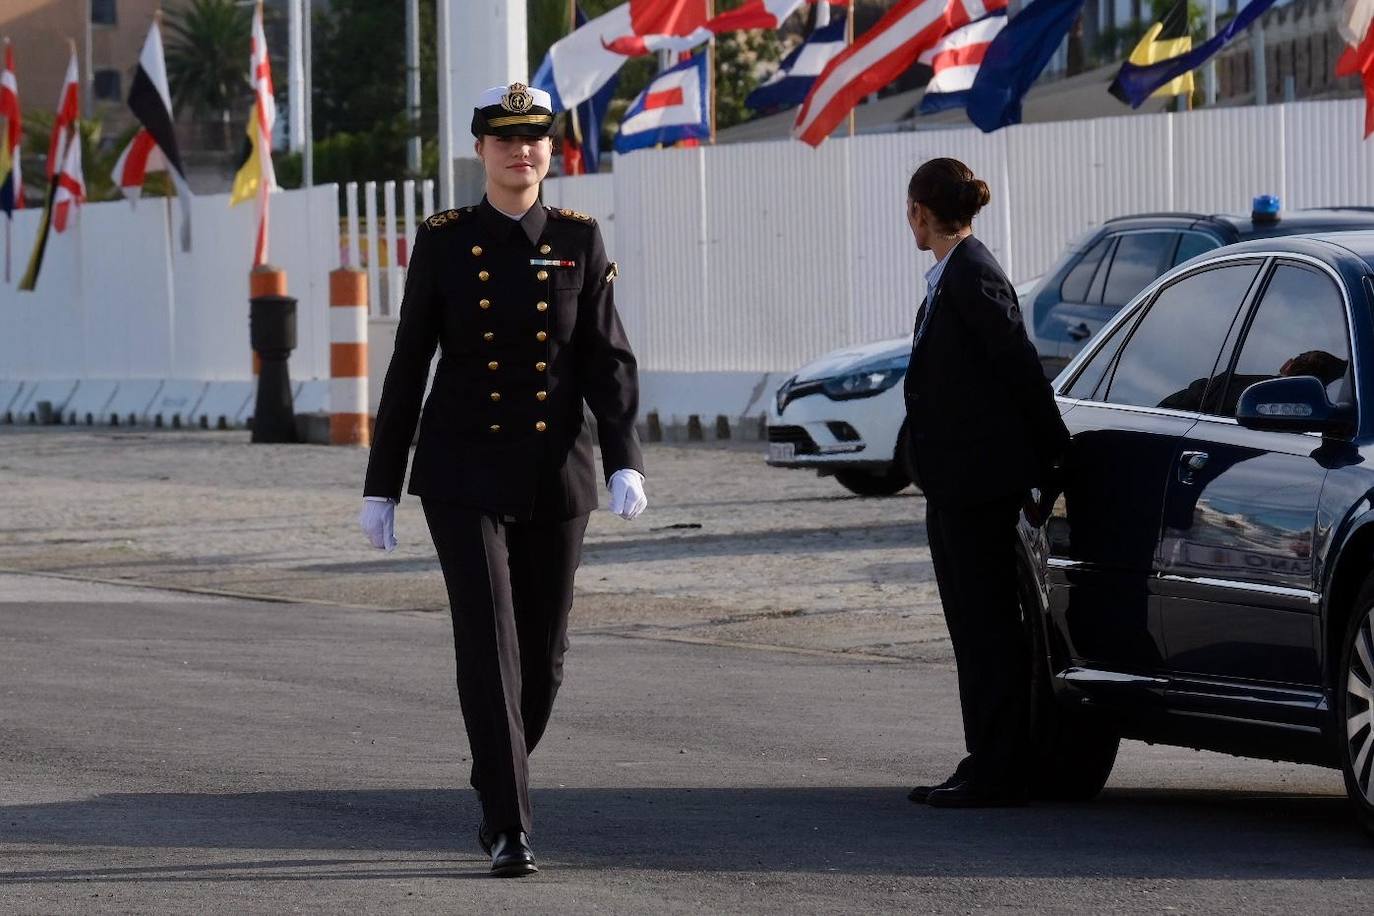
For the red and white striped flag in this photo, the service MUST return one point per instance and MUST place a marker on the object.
(955, 60)
(68, 109)
(139, 158)
(879, 56)
(256, 178)
(71, 186)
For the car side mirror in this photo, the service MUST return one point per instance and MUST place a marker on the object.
(1297, 405)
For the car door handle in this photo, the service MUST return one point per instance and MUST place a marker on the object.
(1080, 331)
(1190, 463)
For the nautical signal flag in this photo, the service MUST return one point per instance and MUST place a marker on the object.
(1136, 82)
(671, 108)
(955, 62)
(11, 180)
(1359, 60)
(878, 56)
(154, 148)
(579, 64)
(71, 186)
(256, 178)
(798, 71)
(1169, 37)
(63, 134)
(1014, 60)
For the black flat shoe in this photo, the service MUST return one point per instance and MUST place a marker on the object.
(511, 856)
(484, 837)
(971, 795)
(921, 794)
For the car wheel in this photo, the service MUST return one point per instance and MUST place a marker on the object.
(1355, 706)
(1072, 751)
(874, 483)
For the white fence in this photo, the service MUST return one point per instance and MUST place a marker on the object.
(381, 246)
(118, 299)
(758, 257)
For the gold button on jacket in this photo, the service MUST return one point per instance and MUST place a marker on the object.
(483, 276)
(484, 303)
(541, 426)
(541, 306)
(542, 276)
(544, 249)
(493, 365)
(477, 250)
(540, 366)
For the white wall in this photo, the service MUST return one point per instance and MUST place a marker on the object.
(118, 299)
(758, 257)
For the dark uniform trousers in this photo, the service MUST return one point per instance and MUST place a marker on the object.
(510, 590)
(973, 549)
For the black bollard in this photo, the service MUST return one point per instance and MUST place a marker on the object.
(272, 330)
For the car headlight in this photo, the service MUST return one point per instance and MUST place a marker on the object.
(867, 380)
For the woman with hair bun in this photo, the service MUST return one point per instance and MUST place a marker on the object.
(984, 431)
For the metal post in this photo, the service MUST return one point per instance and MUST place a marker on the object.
(295, 103)
(1261, 65)
(1210, 74)
(413, 85)
(442, 12)
(308, 157)
(88, 96)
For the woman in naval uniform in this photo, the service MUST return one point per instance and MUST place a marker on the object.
(519, 300)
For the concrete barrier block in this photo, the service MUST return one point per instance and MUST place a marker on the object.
(56, 392)
(89, 404)
(224, 404)
(133, 397)
(174, 404)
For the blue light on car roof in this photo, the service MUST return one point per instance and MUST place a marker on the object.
(1266, 205)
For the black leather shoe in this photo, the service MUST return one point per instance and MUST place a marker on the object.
(511, 856)
(484, 837)
(972, 795)
(920, 794)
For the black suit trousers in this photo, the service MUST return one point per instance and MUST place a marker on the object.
(973, 549)
(510, 591)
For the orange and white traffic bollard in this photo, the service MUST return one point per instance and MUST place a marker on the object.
(348, 421)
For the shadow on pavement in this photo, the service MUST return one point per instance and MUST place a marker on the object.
(1124, 834)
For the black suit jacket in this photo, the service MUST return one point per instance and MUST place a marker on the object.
(981, 416)
(522, 345)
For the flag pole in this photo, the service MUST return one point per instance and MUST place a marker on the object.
(711, 69)
(849, 40)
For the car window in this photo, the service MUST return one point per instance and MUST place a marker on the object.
(1168, 360)
(1085, 386)
(1298, 329)
(1075, 285)
(1139, 258)
(1192, 244)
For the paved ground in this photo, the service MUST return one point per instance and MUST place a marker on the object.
(730, 550)
(747, 702)
(165, 754)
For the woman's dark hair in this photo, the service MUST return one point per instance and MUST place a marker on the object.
(950, 190)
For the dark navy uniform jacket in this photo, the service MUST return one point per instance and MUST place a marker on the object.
(523, 345)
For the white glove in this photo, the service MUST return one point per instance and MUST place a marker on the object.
(627, 493)
(378, 521)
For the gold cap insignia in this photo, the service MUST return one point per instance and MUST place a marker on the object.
(518, 98)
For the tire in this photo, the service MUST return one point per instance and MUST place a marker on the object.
(1355, 698)
(1072, 751)
(874, 483)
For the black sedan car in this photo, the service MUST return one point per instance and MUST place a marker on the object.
(1207, 577)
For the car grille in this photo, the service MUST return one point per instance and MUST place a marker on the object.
(796, 435)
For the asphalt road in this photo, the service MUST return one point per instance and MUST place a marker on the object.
(167, 753)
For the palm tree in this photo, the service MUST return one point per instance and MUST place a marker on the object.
(207, 58)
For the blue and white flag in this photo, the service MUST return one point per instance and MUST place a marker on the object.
(671, 108)
(1014, 59)
(798, 70)
(956, 60)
